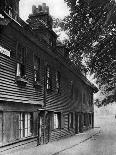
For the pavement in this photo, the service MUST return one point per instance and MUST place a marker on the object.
(52, 148)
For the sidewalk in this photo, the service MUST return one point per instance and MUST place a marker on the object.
(53, 148)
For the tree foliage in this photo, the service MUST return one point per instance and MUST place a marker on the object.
(91, 27)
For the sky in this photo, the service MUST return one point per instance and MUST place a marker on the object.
(58, 8)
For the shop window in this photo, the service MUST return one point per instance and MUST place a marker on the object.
(70, 120)
(48, 78)
(5, 51)
(57, 120)
(58, 77)
(25, 124)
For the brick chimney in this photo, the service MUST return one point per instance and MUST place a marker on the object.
(40, 14)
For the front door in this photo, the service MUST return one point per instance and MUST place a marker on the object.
(47, 128)
(76, 123)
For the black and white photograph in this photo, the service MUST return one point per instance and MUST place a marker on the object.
(57, 77)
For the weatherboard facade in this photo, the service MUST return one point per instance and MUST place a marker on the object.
(43, 96)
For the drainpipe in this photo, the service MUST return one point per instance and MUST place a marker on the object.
(44, 99)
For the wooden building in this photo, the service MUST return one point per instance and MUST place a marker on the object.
(42, 94)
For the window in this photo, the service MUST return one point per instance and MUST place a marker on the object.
(9, 10)
(5, 51)
(85, 119)
(36, 69)
(58, 77)
(21, 61)
(71, 89)
(48, 78)
(84, 99)
(25, 124)
(57, 120)
(70, 120)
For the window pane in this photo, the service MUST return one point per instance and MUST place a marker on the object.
(55, 121)
(26, 132)
(18, 70)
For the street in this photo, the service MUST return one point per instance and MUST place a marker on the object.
(104, 143)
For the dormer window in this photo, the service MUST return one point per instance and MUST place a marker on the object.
(9, 11)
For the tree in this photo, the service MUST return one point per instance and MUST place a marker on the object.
(91, 27)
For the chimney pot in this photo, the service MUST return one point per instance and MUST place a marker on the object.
(43, 7)
(39, 8)
(33, 9)
(47, 9)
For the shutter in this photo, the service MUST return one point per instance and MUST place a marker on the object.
(62, 121)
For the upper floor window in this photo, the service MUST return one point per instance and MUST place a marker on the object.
(84, 98)
(90, 99)
(48, 78)
(36, 69)
(21, 61)
(5, 51)
(58, 77)
(71, 89)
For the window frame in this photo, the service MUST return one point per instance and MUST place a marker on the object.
(21, 61)
(22, 127)
(57, 120)
(48, 78)
(36, 68)
(58, 81)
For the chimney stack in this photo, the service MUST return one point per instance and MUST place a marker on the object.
(41, 13)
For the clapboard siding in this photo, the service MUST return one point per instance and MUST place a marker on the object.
(9, 86)
(64, 102)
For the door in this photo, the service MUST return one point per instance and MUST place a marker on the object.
(80, 123)
(40, 130)
(47, 128)
(76, 123)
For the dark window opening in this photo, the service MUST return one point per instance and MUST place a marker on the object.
(21, 62)
(70, 120)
